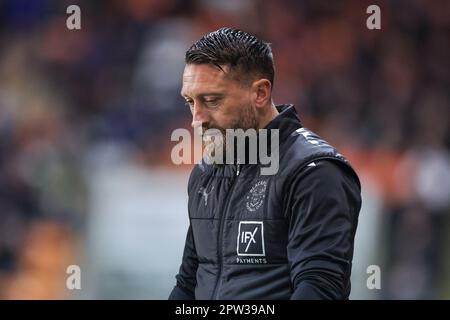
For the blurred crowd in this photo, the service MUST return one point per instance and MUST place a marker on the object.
(382, 96)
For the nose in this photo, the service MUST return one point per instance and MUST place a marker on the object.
(199, 116)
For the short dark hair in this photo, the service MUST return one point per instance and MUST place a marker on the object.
(245, 54)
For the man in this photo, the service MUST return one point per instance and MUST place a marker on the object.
(289, 235)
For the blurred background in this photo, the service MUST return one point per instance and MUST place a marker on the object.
(86, 116)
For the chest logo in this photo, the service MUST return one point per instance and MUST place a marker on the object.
(250, 239)
(256, 196)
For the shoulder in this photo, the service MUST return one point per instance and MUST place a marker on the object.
(329, 172)
(327, 181)
(327, 186)
(197, 171)
(307, 147)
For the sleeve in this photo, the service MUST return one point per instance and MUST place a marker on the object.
(186, 277)
(323, 207)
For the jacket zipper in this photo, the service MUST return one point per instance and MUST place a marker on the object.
(215, 294)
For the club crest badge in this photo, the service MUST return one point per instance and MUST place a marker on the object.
(256, 196)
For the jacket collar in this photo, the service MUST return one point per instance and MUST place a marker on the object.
(286, 121)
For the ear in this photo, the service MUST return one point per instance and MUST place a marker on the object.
(262, 92)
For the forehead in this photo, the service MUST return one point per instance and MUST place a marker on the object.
(201, 78)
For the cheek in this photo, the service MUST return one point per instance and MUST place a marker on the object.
(231, 112)
(221, 116)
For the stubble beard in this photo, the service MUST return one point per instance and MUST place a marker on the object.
(247, 120)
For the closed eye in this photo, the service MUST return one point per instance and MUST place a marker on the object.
(212, 103)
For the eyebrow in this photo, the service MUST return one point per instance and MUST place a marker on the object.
(205, 94)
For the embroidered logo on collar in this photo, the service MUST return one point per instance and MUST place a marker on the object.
(256, 196)
(205, 194)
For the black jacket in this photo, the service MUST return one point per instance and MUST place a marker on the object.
(283, 236)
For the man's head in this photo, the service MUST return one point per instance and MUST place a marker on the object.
(228, 80)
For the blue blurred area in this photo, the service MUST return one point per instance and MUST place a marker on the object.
(86, 118)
